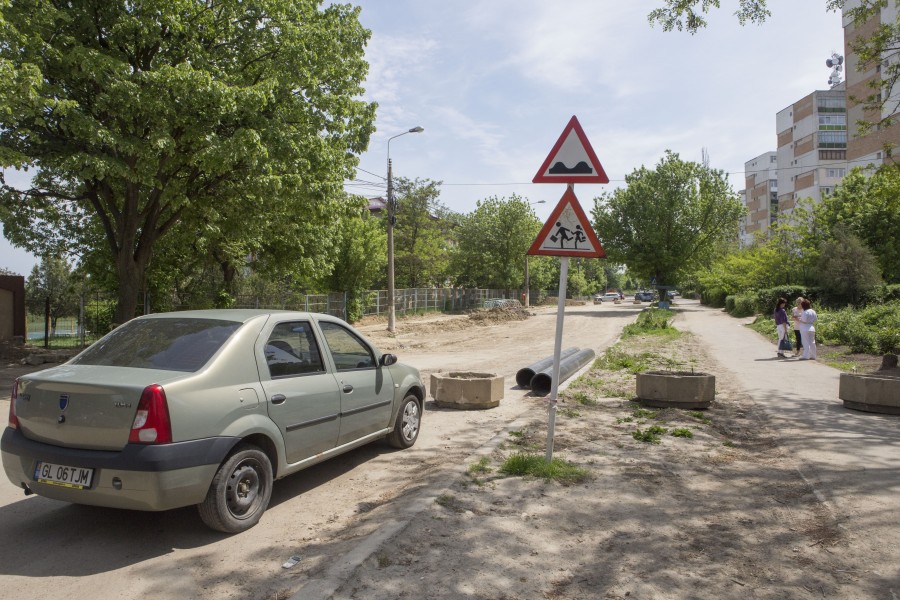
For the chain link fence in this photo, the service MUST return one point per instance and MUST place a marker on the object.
(96, 309)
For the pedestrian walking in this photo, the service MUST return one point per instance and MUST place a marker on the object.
(795, 318)
(781, 326)
(808, 320)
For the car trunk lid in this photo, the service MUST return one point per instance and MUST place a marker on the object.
(68, 407)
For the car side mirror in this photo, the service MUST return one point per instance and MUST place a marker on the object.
(387, 360)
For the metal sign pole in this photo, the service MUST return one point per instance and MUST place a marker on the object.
(557, 350)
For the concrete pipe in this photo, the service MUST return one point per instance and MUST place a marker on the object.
(542, 382)
(524, 376)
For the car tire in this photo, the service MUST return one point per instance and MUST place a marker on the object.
(240, 491)
(407, 424)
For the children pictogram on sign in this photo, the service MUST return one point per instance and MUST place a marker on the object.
(562, 234)
(568, 232)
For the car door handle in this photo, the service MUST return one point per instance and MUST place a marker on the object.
(347, 388)
(278, 399)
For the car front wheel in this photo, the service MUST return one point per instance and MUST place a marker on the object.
(240, 491)
(406, 427)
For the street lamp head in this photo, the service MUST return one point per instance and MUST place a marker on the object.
(417, 129)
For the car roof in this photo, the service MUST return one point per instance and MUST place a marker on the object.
(241, 315)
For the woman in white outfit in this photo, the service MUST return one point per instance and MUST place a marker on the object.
(808, 320)
(795, 319)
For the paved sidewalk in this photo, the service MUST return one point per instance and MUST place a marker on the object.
(850, 458)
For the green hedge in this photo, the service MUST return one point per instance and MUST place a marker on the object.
(742, 305)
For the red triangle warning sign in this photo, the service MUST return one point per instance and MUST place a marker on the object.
(572, 159)
(567, 232)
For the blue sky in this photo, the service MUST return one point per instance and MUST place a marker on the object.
(494, 82)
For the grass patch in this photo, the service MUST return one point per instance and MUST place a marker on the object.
(700, 416)
(481, 467)
(652, 321)
(583, 399)
(537, 466)
(569, 412)
(616, 359)
(621, 420)
(682, 432)
(651, 435)
(447, 501)
(728, 443)
(643, 413)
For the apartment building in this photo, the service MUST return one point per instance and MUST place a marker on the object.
(760, 196)
(869, 149)
(812, 147)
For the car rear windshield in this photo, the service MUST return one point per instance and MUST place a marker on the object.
(173, 344)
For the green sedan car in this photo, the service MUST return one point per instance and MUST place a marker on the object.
(205, 408)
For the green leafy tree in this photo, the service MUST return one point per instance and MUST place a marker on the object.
(362, 257)
(847, 268)
(52, 286)
(493, 242)
(668, 220)
(423, 234)
(140, 119)
(869, 207)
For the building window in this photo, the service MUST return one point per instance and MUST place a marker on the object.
(832, 139)
(836, 172)
(826, 191)
(832, 155)
(832, 121)
(832, 104)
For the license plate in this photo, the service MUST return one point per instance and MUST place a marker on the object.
(70, 477)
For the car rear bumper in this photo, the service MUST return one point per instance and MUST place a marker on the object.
(138, 477)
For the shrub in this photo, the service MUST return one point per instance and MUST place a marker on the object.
(873, 330)
(729, 303)
(713, 297)
(743, 306)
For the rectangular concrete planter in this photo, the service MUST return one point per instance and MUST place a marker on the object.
(676, 389)
(466, 390)
(870, 393)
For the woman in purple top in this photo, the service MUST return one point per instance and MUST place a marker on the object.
(781, 323)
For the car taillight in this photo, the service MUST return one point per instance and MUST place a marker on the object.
(151, 423)
(13, 419)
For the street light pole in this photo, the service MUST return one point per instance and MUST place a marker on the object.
(391, 209)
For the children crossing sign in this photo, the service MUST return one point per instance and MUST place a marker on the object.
(567, 232)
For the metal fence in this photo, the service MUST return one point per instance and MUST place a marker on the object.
(96, 309)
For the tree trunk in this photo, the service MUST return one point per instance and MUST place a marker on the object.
(131, 273)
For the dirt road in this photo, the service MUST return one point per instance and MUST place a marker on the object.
(54, 549)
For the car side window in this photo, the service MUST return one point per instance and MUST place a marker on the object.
(291, 350)
(347, 350)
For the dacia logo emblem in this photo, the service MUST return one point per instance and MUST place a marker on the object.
(63, 401)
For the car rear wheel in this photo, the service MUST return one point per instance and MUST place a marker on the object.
(406, 427)
(240, 491)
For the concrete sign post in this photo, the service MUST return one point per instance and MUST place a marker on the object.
(567, 232)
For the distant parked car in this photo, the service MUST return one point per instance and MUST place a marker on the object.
(205, 408)
(645, 296)
(609, 297)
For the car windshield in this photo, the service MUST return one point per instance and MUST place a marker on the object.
(174, 344)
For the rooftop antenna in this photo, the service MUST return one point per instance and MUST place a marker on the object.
(836, 63)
